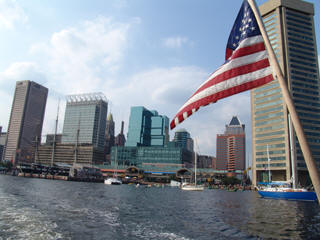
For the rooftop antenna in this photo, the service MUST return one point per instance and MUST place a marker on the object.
(54, 136)
(77, 141)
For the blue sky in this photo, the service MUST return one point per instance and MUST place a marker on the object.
(138, 53)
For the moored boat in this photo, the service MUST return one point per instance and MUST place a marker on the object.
(285, 190)
(192, 187)
(287, 193)
(112, 181)
(174, 183)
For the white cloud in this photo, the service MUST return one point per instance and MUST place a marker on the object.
(162, 89)
(175, 42)
(22, 71)
(82, 57)
(10, 14)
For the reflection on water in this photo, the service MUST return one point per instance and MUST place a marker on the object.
(46, 209)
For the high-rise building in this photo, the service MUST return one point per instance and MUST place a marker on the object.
(1, 144)
(231, 148)
(182, 139)
(291, 31)
(147, 128)
(3, 137)
(50, 138)
(26, 119)
(120, 139)
(109, 134)
(205, 161)
(85, 119)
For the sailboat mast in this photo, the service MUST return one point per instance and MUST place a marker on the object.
(54, 136)
(292, 156)
(269, 163)
(116, 162)
(77, 142)
(195, 168)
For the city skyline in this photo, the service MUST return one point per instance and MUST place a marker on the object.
(133, 47)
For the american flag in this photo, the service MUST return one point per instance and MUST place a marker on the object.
(246, 66)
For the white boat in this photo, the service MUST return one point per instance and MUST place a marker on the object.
(174, 183)
(112, 181)
(193, 186)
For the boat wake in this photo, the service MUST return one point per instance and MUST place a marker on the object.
(24, 222)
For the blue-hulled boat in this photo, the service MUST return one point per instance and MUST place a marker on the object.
(278, 191)
(288, 194)
(284, 190)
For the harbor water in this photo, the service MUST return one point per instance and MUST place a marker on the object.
(49, 209)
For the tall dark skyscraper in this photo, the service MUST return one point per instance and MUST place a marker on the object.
(290, 28)
(231, 149)
(26, 120)
(120, 139)
(109, 140)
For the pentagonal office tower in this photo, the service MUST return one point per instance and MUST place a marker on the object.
(290, 27)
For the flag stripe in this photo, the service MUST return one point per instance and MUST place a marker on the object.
(249, 41)
(233, 64)
(228, 84)
(238, 62)
(219, 95)
(248, 50)
(235, 72)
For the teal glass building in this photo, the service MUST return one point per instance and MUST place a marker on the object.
(148, 143)
(85, 119)
(167, 156)
(147, 128)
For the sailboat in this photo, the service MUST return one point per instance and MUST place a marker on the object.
(193, 186)
(283, 190)
(114, 180)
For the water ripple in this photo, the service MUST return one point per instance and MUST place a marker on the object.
(43, 209)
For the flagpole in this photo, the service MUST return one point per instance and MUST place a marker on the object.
(311, 166)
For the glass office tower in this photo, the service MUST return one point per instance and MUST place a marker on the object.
(290, 27)
(147, 128)
(85, 119)
(183, 139)
(26, 119)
